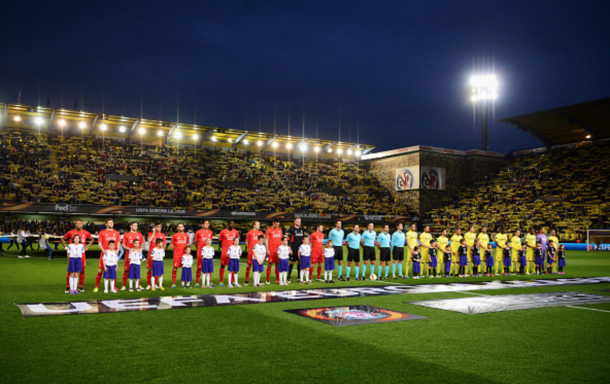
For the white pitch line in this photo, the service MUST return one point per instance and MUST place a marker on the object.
(472, 293)
(589, 309)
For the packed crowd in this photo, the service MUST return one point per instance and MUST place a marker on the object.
(169, 176)
(566, 189)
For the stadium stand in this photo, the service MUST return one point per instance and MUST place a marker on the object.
(86, 170)
(565, 188)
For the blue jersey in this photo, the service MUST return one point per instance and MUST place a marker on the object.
(384, 240)
(398, 239)
(336, 236)
(353, 240)
(369, 238)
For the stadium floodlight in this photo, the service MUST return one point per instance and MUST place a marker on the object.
(230, 140)
(274, 144)
(349, 152)
(317, 149)
(103, 127)
(160, 133)
(142, 130)
(178, 135)
(17, 118)
(259, 143)
(62, 123)
(289, 145)
(339, 151)
(122, 128)
(358, 153)
(484, 90)
(303, 147)
(38, 121)
(82, 125)
(484, 87)
(245, 142)
(213, 138)
(588, 136)
(195, 136)
(330, 150)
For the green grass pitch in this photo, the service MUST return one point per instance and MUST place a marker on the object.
(262, 343)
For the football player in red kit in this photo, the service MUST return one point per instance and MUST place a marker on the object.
(251, 241)
(104, 237)
(128, 239)
(180, 241)
(225, 239)
(273, 239)
(84, 237)
(201, 236)
(317, 250)
(152, 240)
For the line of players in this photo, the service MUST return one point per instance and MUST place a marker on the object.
(456, 255)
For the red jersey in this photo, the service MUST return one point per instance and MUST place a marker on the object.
(225, 238)
(128, 239)
(84, 236)
(106, 235)
(180, 242)
(153, 239)
(252, 239)
(201, 236)
(274, 238)
(317, 242)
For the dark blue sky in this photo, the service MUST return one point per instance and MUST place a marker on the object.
(399, 69)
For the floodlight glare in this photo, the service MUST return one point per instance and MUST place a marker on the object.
(178, 135)
(588, 136)
(245, 142)
(259, 143)
(349, 151)
(213, 138)
(303, 147)
(195, 136)
(160, 133)
(230, 140)
(142, 131)
(274, 144)
(103, 126)
(82, 125)
(317, 149)
(122, 128)
(62, 123)
(484, 87)
(17, 118)
(38, 121)
(289, 146)
(330, 150)
(339, 151)
(358, 153)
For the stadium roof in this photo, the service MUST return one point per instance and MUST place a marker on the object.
(157, 132)
(568, 124)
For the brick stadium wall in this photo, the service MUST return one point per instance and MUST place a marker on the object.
(461, 171)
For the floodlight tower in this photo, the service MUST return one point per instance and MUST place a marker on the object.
(484, 92)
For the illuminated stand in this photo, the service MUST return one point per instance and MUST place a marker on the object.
(484, 91)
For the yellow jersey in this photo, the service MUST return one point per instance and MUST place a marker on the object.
(455, 242)
(470, 237)
(484, 239)
(515, 243)
(501, 240)
(412, 238)
(555, 241)
(425, 238)
(530, 240)
(442, 243)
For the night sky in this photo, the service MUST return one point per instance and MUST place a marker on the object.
(399, 70)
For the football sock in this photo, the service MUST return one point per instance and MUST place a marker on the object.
(81, 278)
(160, 281)
(149, 277)
(98, 278)
(137, 283)
(340, 269)
(434, 271)
(357, 271)
(174, 276)
(277, 272)
(222, 274)
(394, 269)
(400, 269)
(106, 284)
(325, 275)
(198, 273)
(130, 283)
(379, 270)
(363, 271)
(125, 276)
(301, 275)
(372, 269)
(268, 272)
(290, 269)
(112, 284)
(248, 273)
(68, 280)
(347, 271)
(319, 269)
(387, 269)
